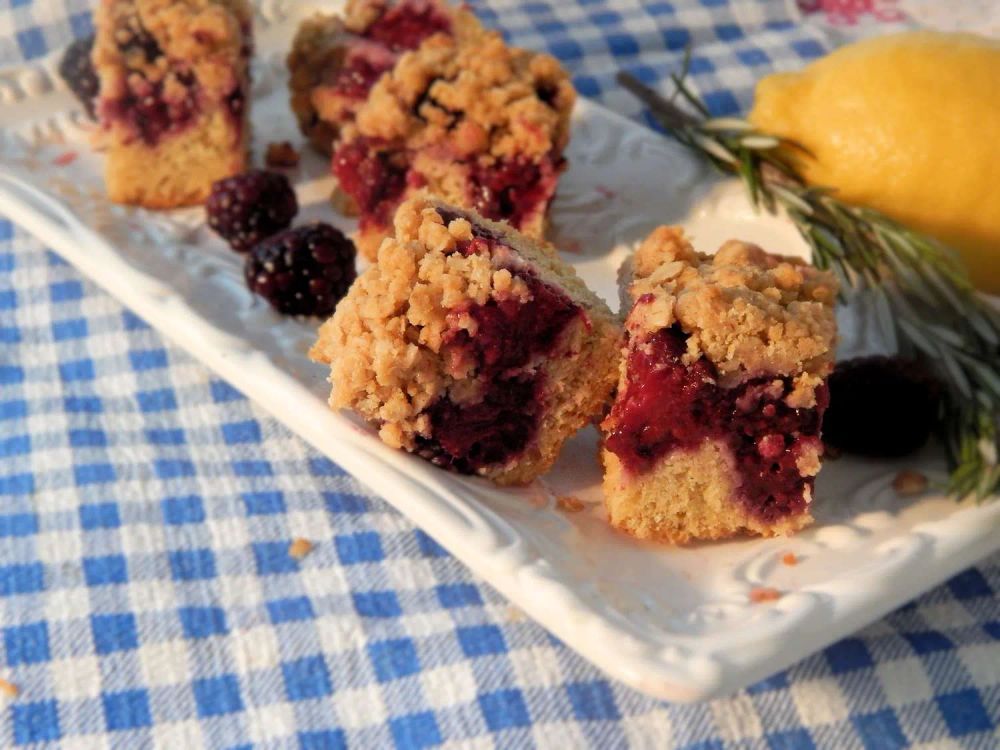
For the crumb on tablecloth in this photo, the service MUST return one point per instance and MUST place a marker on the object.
(299, 548)
(9, 688)
(790, 558)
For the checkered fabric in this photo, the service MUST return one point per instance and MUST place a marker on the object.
(147, 598)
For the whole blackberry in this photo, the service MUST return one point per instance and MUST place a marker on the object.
(250, 207)
(78, 72)
(882, 407)
(302, 271)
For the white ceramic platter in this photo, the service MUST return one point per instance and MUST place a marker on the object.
(675, 623)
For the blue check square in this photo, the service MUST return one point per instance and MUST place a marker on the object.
(504, 709)
(173, 468)
(32, 43)
(332, 739)
(65, 291)
(18, 524)
(166, 436)
(181, 510)
(147, 359)
(15, 445)
(192, 564)
(363, 547)
(128, 709)
(928, 641)
(306, 678)
(162, 399)
(593, 701)
(321, 466)
(96, 473)
(223, 392)
(216, 696)
(114, 633)
(105, 570)
(88, 438)
(481, 640)
(11, 374)
(376, 603)
(292, 609)
(13, 409)
(81, 369)
(202, 622)
(21, 579)
(791, 739)
(73, 328)
(35, 722)
(454, 595)
(970, 585)
(264, 503)
(415, 731)
(99, 516)
(247, 431)
(272, 558)
(848, 655)
(964, 713)
(133, 322)
(17, 484)
(428, 547)
(880, 731)
(393, 659)
(252, 469)
(26, 644)
(337, 502)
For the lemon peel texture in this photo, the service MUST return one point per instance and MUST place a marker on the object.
(908, 124)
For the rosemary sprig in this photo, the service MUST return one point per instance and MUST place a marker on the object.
(915, 281)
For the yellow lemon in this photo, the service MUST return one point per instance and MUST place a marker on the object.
(908, 124)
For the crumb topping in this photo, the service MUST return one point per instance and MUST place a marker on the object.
(474, 92)
(747, 311)
(147, 38)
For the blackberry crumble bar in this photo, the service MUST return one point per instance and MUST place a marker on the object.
(173, 101)
(334, 60)
(715, 430)
(471, 345)
(463, 117)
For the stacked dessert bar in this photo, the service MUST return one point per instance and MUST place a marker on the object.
(417, 97)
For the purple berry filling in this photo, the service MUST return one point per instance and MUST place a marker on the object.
(370, 55)
(510, 340)
(405, 26)
(372, 178)
(514, 191)
(147, 113)
(357, 76)
(669, 406)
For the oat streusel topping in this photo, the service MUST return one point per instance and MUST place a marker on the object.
(748, 311)
(150, 35)
(474, 92)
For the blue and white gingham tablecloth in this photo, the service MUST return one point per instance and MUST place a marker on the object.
(147, 599)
